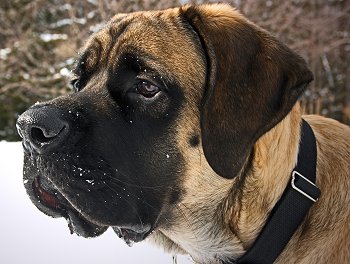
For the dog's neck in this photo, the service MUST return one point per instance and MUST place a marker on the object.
(224, 219)
(275, 156)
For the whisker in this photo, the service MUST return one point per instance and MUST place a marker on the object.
(133, 208)
(156, 187)
(138, 198)
(126, 182)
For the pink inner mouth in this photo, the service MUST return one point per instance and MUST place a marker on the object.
(79, 225)
(76, 222)
(45, 197)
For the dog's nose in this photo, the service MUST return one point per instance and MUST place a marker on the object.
(42, 128)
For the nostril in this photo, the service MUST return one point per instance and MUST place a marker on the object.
(43, 129)
(39, 135)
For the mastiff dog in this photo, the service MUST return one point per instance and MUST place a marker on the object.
(184, 129)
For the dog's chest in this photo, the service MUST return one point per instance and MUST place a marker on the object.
(204, 244)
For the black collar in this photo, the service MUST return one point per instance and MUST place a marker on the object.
(291, 209)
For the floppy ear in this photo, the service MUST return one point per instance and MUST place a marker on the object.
(253, 81)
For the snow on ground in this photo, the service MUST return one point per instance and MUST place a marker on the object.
(29, 236)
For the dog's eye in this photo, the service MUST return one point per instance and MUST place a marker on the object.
(76, 85)
(147, 89)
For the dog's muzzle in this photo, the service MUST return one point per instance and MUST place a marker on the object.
(49, 132)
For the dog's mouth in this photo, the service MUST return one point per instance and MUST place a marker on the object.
(59, 207)
(133, 235)
(77, 223)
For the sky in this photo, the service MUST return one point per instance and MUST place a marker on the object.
(29, 236)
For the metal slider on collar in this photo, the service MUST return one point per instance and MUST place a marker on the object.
(304, 186)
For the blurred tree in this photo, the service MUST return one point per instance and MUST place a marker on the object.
(37, 51)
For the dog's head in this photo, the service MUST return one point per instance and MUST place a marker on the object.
(163, 100)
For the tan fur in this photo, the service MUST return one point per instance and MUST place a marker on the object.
(323, 237)
(220, 218)
(211, 226)
(215, 222)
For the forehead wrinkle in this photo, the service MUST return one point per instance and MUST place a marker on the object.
(146, 61)
(169, 44)
(98, 80)
(161, 38)
(100, 45)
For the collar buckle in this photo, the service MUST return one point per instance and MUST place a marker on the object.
(304, 186)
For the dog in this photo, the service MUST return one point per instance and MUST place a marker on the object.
(183, 129)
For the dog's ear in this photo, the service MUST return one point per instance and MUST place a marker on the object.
(253, 81)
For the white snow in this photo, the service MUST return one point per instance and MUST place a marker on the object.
(4, 53)
(65, 72)
(96, 27)
(47, 37)
(68, 21)
(29, 236)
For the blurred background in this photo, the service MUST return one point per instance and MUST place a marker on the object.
(39, 40)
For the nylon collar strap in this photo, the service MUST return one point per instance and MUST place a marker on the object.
(291, 209)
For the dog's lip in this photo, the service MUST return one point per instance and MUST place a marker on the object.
(133, 234)
(47, 198)
(77, 223)
(81, 226)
